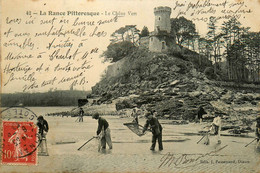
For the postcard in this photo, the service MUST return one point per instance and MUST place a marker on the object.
(130, 86)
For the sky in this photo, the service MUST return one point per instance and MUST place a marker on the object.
(133, 12)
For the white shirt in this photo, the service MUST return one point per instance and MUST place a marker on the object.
(217, 121)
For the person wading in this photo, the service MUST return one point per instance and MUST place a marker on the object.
(215, 128)
(156, 130)
(257, 130)
(103, 131)
(135, 116)
(81, 114)
(201, 112)
(43, 129)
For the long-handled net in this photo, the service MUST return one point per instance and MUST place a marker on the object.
(136, 128)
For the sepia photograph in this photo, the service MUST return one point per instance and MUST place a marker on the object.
(130, 86)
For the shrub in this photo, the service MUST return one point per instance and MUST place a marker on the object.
(209, 72)
(117, 51)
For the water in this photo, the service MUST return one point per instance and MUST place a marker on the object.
(46, 110)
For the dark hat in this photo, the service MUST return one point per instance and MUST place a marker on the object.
(40, 117)
(95, 115)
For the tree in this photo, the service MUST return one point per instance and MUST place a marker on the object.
(144, 32)
(127, 33)
(117, 51)
(241, 51)
(118, 35)
(132, 34)
(252, 54)
(238, 50)
(183, 29)
(214, 41)
(204, 48)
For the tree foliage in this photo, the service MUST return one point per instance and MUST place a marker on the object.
(214, 42)
(241, 51)
(117, 51)
(127, 33)
(144, 32)
(183, 29)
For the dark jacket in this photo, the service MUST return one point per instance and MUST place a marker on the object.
(155, 126)
(43, 127)
(102, 123)
(257, 130)
(81, 112)
(201, 112)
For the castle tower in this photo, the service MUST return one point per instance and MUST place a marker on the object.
(161, 39)
(162, 19)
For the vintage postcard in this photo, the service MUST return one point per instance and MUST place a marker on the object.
(130, 86)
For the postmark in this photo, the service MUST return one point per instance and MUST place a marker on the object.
(18, 113)
(19, 136)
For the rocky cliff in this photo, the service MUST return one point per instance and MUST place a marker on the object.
(172, 84)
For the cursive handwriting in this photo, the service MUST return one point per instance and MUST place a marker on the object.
(20, 67)
(53, 49)
(57, 54)
(20, 55)
(184, 160)
(201, 10)
(26, 78)
(27, 42)
(63, 44)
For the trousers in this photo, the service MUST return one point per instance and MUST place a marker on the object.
(155, 138)
(106, 139)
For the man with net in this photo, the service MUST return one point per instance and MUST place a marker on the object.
(81, 114)
(43, 129)
(156, 130)
(215, 129)
(257, 130)
(103, 131)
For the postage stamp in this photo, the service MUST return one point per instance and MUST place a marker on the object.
(19, 136)
(19, 143)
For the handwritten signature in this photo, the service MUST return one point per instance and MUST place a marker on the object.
(184, 160)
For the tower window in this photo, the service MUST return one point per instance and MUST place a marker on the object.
(163, 45)
(159, 18)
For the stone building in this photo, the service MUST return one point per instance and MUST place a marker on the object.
(161, 39)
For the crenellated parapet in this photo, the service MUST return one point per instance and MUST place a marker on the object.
(162, 10)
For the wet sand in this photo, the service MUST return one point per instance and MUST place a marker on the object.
(131, 153)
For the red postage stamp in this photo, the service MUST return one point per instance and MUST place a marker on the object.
(19, 143)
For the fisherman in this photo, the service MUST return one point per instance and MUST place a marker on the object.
(156, 130)
(257, 130)
(215, 128)
(135, 116)
(81, 114)
(201, 112)
(43, 129)
(103, 131)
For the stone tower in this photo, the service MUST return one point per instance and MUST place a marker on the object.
(162, 19)
(161, 39)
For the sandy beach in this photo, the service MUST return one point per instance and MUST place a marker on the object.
(131, 153)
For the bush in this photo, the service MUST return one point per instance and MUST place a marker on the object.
(209, 72)
(117, 51)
